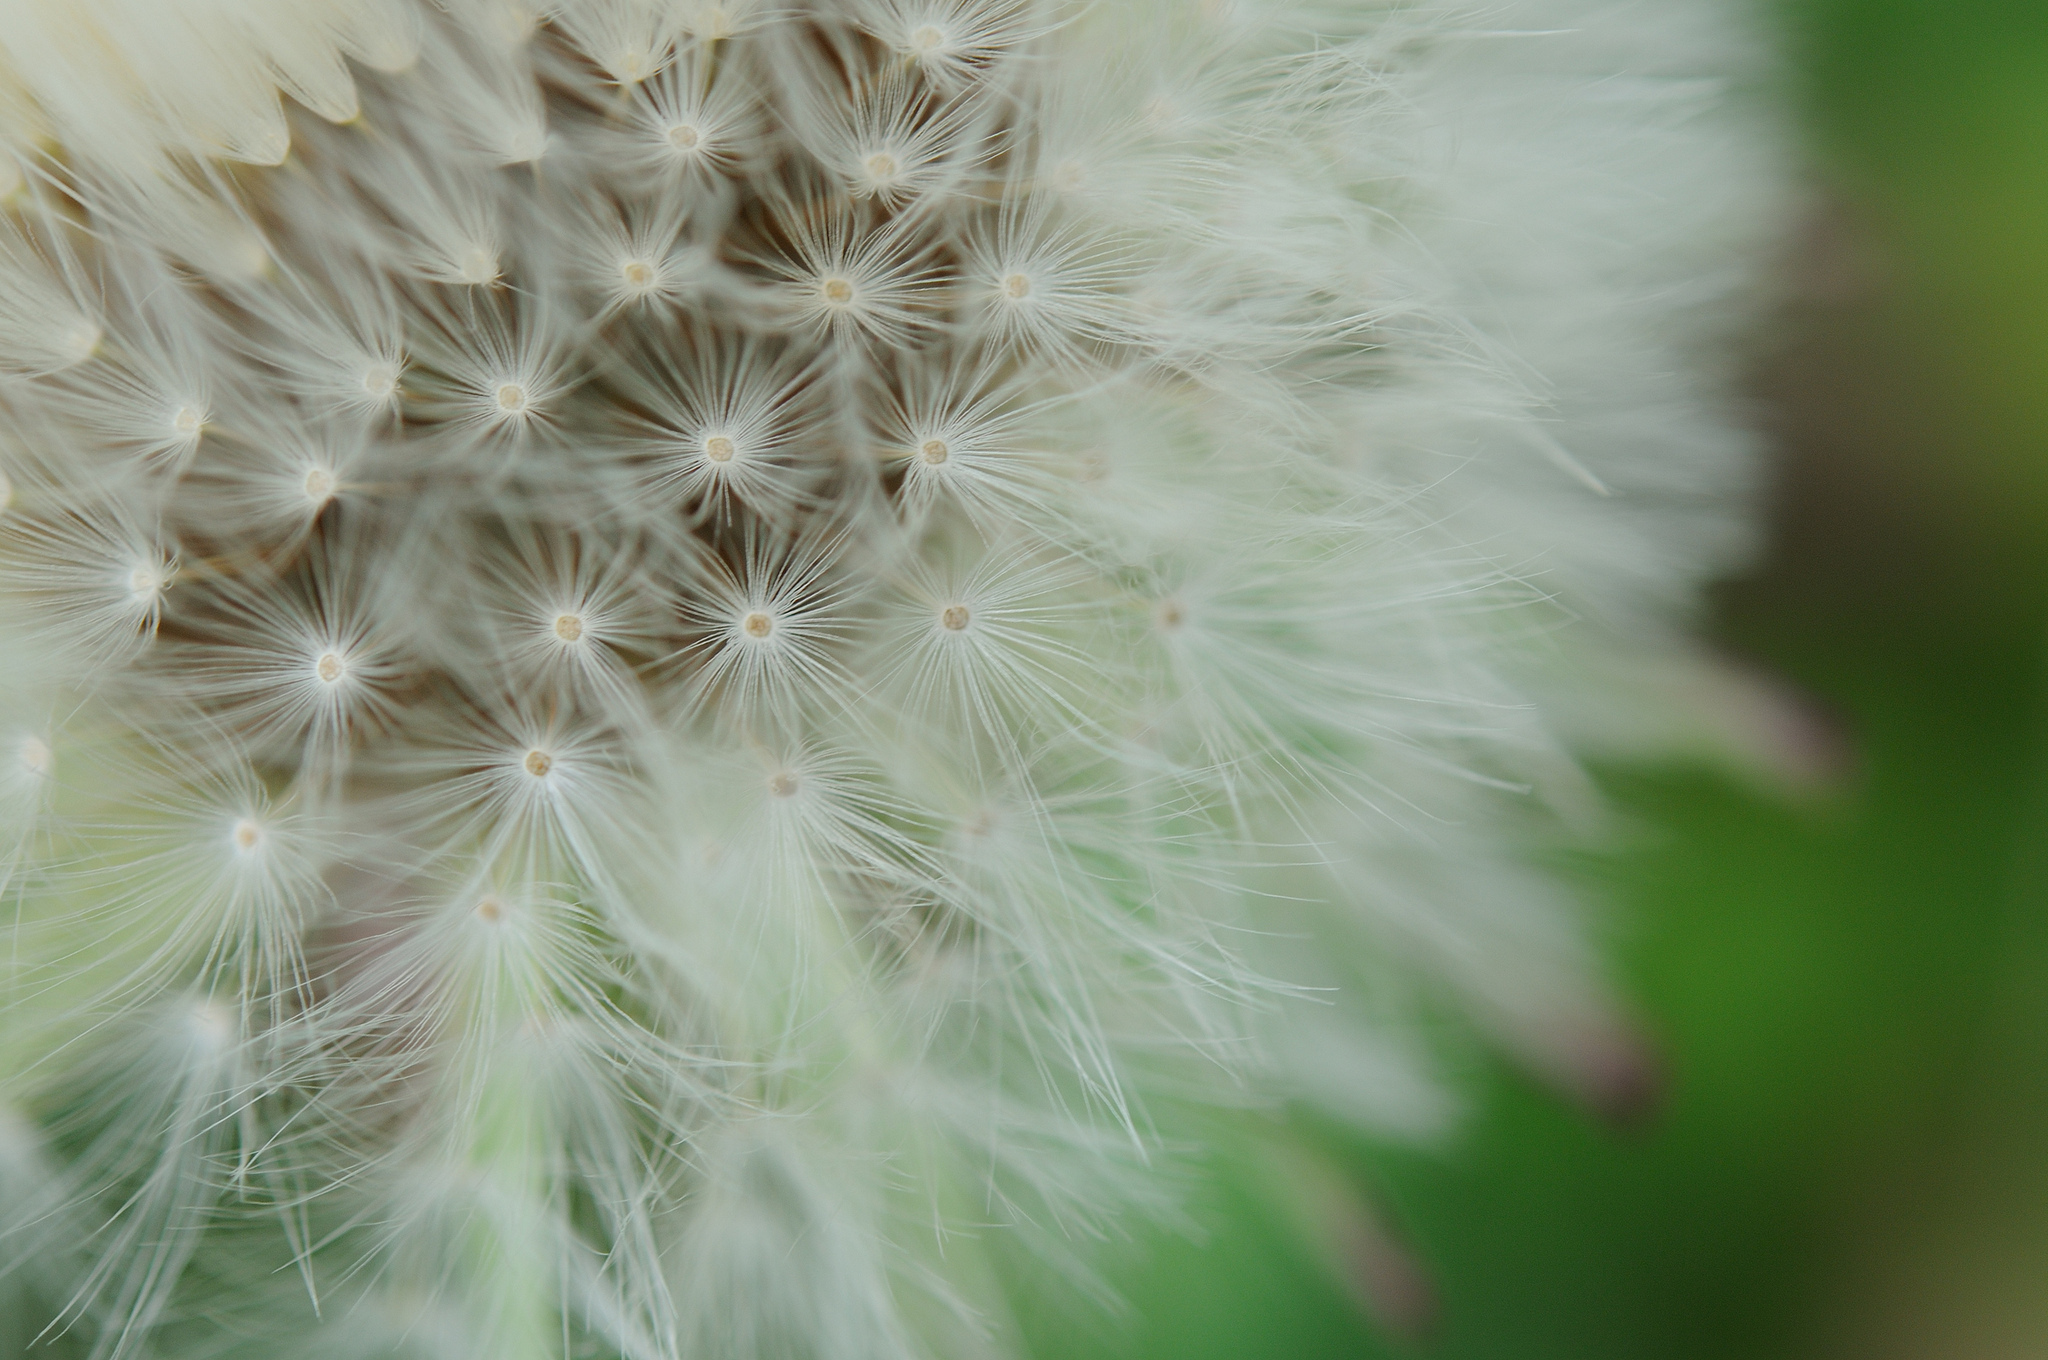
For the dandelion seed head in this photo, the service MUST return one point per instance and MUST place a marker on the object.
(911, 545)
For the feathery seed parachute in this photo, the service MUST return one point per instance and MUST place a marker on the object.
(664, 665)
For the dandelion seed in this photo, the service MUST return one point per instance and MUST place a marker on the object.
(146, 585)
(211, 1026)
(380, 383)
(478, 265)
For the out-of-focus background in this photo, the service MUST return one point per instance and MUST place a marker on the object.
(1850, 988)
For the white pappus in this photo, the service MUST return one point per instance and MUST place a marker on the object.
(665, 664)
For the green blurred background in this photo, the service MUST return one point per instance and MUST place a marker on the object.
(1851, 991)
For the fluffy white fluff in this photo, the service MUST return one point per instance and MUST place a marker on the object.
(660, 662)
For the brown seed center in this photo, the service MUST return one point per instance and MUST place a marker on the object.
(955, 617)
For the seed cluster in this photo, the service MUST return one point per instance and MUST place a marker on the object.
(680, 639)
